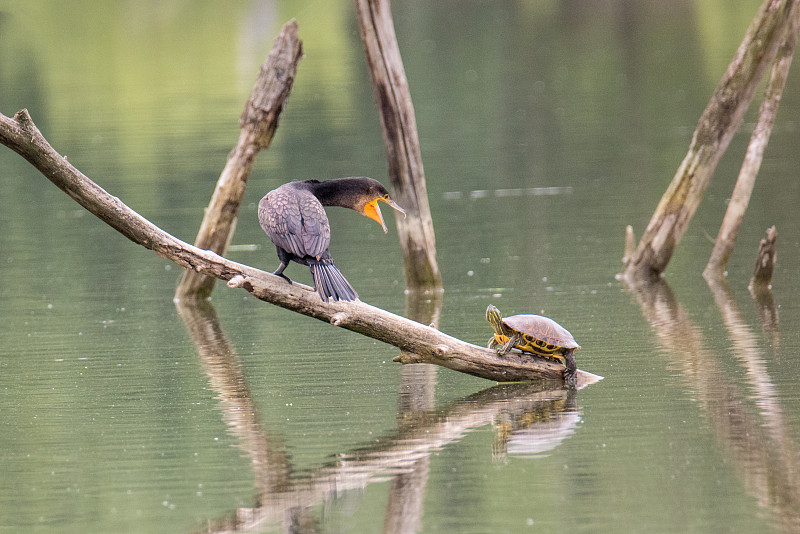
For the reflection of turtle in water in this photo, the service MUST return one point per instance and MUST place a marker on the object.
(535, 334)
(539, 428)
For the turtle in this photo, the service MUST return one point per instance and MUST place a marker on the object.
(534, 334)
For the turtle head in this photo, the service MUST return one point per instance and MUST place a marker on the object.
(494, 318)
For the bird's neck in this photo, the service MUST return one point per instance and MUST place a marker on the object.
(337, 192)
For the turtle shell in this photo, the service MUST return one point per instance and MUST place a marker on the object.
(537, 329)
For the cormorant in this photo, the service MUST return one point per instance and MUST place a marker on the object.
(294, 219)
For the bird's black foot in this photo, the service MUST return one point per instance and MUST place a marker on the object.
(283, 276)
(279, 271)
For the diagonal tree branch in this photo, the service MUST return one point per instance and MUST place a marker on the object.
(427, 344)
(258, 123)
(715, 129)
(740, 198)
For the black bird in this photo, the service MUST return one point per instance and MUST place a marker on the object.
(294, 219)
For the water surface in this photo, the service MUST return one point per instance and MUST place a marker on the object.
(545, 129)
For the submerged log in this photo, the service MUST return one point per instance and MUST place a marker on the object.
(258, 123)
(21, 135)
(401, 142)
(711, 138)
(723, 246)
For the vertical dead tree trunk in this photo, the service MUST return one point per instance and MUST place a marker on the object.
(258, 123)
(401, 142)
(723, 246)
(716, 128)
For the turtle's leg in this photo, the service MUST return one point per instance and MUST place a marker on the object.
(512, 341)
(570, 374)
(492, 343)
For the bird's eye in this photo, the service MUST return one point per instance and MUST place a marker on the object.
(386, 196)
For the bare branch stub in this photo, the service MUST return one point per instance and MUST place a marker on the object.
(765, 261)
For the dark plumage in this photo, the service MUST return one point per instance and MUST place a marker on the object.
(294, 219)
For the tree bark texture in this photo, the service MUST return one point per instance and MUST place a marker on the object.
(401, 142)
(716, 128)
(723, 246)
(428, 344)
(258, 123)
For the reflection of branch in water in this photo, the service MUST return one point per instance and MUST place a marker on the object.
(286, 497)
(418, 436)
(422, 433)
(768, 461)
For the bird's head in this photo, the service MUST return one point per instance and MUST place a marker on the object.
(361, 194)
(368, 202)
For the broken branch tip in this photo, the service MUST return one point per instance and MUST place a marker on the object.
(236, 281)
(339, 318)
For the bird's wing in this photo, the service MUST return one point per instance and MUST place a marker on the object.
(316, 230)
(295, 221)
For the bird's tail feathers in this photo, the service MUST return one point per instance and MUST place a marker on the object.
(330, 282)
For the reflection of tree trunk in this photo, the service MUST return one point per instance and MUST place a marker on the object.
(418, 382)
(270, 462)
(768, 311)
(745, 349)
(768, 461)
(406, 494)
(417, 389)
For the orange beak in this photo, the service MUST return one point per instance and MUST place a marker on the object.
(373, 211)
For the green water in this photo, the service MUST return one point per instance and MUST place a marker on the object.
(546, 127)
